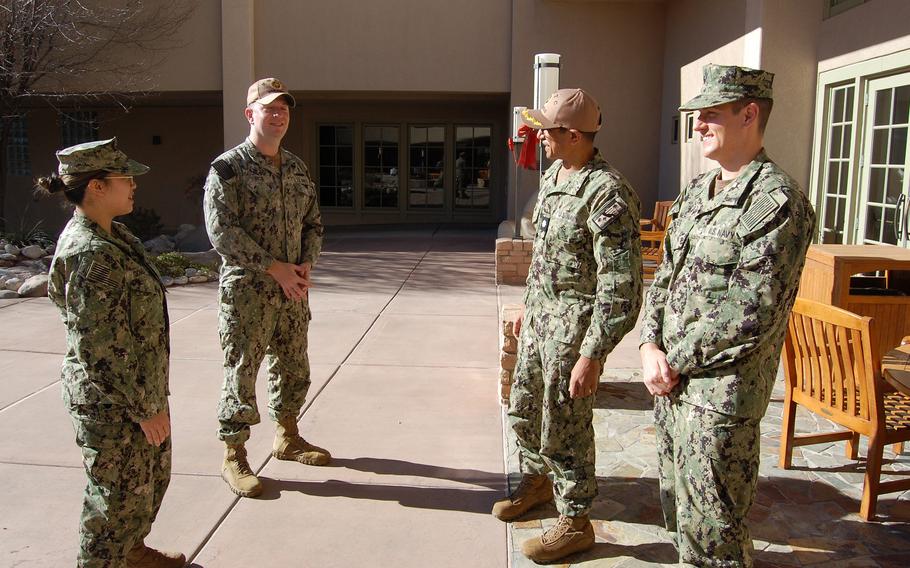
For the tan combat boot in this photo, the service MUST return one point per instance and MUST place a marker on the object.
(236, 471)
(568, 536)
(533, 490)
(291, 447)
(142, 556)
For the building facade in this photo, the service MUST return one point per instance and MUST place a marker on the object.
(404, 106)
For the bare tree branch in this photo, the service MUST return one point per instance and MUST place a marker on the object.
(61, 50)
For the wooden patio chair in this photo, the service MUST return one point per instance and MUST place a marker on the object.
(660, 219)
(652, 251)
(832, 369)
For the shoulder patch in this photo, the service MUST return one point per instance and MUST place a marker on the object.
(224, 169)
(607, 214)
(761, 210)
(99, 274)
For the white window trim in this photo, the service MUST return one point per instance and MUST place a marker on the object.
(859, 74)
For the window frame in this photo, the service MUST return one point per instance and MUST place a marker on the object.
(318, 169)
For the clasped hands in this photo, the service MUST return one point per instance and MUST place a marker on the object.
(294, 279)
(659, 377)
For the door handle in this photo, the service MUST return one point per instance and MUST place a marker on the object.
(898, 226)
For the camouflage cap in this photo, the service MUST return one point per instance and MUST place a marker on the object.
(100, 155)
(265, 91)
(566, 108)
(728, 83)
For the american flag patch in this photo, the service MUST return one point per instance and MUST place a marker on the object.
(100, 275)
(759, 211)
(608, 213)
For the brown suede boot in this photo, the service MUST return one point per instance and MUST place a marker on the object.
(533, 490)
(142, 556)
(291, 447)
(568, 536)
(237, 473)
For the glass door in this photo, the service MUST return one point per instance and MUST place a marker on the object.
(886, 156)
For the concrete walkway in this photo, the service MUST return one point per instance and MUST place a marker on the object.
(404, 352)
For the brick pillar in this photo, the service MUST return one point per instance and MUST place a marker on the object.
(508, 350)
(513, 259)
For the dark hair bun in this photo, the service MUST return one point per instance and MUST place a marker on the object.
(50, 184)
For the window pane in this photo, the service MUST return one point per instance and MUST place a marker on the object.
(472, 167)
(882, 107)
(17, 154)
(845, 146)
(835, 142)
(901, 105)
(877, 178)
(888, 235)
(893, 186)
(380, 173)
(426, 181)
(78, 127)
(844, 178)
(848, 108)
(837, 114)
(336, 158)
(880, 145)
(898, 151)
(873, 223)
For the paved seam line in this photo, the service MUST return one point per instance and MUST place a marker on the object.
(307, 406)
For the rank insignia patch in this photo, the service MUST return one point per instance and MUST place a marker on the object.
(608, 213)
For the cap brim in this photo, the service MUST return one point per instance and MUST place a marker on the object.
(273, 96)
(131, 168)
(705, 101)
(535, 119)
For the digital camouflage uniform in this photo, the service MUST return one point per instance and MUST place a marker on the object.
(718, 308)
(583, 295)
(115, 375)
(257, 213)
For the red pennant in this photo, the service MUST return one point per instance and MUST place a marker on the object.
(528, 156)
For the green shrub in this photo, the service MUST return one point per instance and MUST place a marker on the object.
(24, 236)
(174, 264)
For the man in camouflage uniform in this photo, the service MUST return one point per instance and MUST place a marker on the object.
(583, 295)
(263, 218)
(115, 372)
(716, 315)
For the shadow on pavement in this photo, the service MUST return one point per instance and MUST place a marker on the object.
(383, 466)
(444, 499)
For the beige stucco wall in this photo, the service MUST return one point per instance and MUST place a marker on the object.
(691, 40)
(872, 29)
(613, 50)
(185, 151)
(777, 35)
(393, 45)
(194, 61)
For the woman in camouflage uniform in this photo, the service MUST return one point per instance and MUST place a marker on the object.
(115, 372)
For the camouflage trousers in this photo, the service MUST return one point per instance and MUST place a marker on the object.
(708, 464)
(553, 430)
(252, 327)
(127, 478)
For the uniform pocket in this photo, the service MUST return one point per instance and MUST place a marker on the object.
(714, 262)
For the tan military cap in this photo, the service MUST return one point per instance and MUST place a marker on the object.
(101, 155)
(566, 108)
(265, 91)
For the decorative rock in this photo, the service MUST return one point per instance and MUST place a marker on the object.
(34, 287)
(190, 272)
(7, 263)
(208, 257)
(32, 251)
(51, 250)
(8, 295)
(159, 245)
(196, 240)
(167, 281)
(8, 256)
(11, 249)
(13, 284)
(198, 279)
(181, 280)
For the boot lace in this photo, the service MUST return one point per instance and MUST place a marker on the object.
(526, 485)
(557, 531)
(243, 466)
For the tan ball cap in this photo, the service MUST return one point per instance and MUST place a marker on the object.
(265, 91)
(566, 108)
